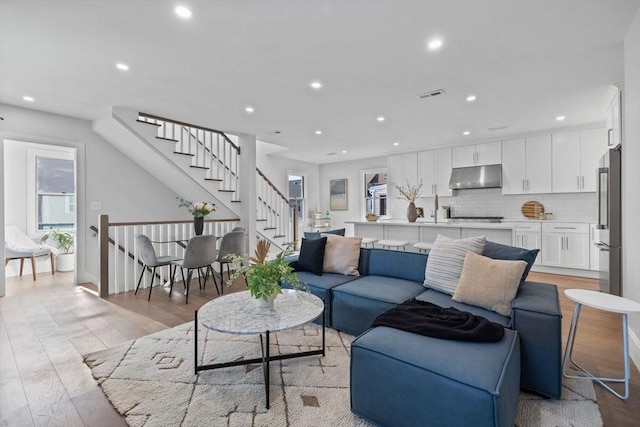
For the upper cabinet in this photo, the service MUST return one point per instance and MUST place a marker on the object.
(526, 165)
(434, 171)
(614, 116)
(477, 155)
(400, 169)
(575, 158)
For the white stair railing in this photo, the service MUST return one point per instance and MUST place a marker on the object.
(120, 267)
(210, 149)
(276, 215)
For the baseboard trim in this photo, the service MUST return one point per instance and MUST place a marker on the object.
(634, 348)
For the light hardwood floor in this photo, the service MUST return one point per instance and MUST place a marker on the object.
(46, 327)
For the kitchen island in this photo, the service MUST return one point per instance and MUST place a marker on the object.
(423, 231)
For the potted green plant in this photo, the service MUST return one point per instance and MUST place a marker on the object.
(264, 276)
(64, 241)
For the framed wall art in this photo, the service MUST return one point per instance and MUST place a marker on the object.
(338, 194)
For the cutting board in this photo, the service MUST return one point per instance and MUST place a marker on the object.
(532, 209)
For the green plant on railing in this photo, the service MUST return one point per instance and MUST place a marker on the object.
(64, 240)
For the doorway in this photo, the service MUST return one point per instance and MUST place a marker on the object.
(40, 203)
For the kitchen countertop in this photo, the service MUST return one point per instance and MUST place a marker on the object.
(484, 225)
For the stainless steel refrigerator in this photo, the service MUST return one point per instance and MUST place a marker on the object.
(610, 221)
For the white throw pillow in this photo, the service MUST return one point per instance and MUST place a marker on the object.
(489, 283)
(341, 254)
(446, 259)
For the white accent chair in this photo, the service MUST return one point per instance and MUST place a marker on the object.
(18, 245)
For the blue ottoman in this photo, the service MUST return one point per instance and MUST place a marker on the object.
(400, 378)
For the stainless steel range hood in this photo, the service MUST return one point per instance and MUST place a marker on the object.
(489, 176)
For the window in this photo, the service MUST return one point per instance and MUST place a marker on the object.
(375, 192)
(55, 193)
(297, 193)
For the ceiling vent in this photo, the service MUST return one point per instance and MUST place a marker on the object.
(331, 154)
(431, 94)
(498, 128)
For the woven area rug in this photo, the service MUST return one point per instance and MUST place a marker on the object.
(151, 382)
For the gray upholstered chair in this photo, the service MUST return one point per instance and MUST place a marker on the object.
(199, 255)
(18, 245)
(150, 260)
(233, 243)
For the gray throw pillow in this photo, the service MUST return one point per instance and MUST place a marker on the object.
(446, 259)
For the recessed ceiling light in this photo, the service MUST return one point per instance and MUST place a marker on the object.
(466, 132)
(471, 98)
(344, 151)
(380, 119)
(122, 67)
(249, 109)
(318, 132)
(560, 118)
(183, 12)
(28, 98)
(434, 44)
(396, 143)
(316, 85)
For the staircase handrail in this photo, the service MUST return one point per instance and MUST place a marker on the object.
(177, 122)
(275, 188)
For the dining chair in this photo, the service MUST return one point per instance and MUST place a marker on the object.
(233, 243)
(199, 254)
(149, 258)
(18, 245)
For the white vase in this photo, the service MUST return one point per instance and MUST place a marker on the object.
(269, 303)
(65, 262)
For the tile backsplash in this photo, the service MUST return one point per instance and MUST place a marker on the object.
(491, 202)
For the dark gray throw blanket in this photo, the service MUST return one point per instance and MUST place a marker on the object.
(428, 319)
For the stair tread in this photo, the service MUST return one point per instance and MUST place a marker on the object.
(149, 123)
(236, 201)
(167, 139)
(226, 191)
(277, 236)
(213, 179)
(184, 154)
(198, 167)
(270, 228)
(261, 219)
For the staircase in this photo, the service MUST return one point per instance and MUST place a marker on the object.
(200, 163)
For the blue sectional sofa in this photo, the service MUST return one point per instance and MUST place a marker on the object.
(388, 278)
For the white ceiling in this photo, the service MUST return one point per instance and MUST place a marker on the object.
(526, 61)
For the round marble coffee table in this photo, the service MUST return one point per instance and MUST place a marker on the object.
(240, 314)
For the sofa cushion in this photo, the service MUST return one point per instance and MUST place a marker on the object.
(400, 264)
(446, 259)
(400, 378)
(316, 234)
(355, 305)
(498, 251)
(311, 257)
(444, 300)
(341, 255)
(489, 283)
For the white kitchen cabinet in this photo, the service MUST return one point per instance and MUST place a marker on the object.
(614, 117)
(502, 236)
(575, 157)
(489, 153)
(528, 235)
(434, 171)
(526, 165)
(400, 169)
(593, 144)
(565, 245)
(594, 252)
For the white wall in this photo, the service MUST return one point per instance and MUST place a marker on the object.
(631, 179)
(105, 175)
(276, 169)
(352, 170)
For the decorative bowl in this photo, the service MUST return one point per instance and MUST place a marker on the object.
(372, 217)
